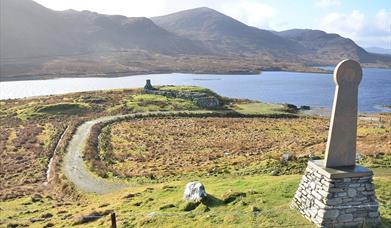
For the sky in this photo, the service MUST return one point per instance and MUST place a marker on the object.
(367, 22)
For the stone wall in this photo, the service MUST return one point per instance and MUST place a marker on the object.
(337, 202)
(201, 99)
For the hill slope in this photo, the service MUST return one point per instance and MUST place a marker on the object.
(378, 50)
(30, 30)
(225, 35)
(330, 48)
(36, 41)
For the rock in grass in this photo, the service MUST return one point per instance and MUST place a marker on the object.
(231, 196)
(104, 205)
(13, 225)
(46, 215)
(36, 198)
(128, 196)
(190, 205)
(242, 203)
(91, 217)
(32, 220)
(202, 208)
(254, 209)
(286, 157)
(314, 157)
(152, 214)
(48, 225)
(168, 187)
(274, 173)
(194, 191)
(252, 192)
(166, 206)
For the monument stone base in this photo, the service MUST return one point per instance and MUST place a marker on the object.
(341, 197)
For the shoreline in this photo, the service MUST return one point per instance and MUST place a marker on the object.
(306, 69)
(326, 112)
(128, 74)
(33, 77)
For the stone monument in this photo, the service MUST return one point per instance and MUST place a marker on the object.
(148, 85)
(336, 192)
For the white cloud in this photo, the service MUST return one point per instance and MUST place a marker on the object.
(349, 25)
(383, 21)
(327, 3)
(250, 12)
(366, 30)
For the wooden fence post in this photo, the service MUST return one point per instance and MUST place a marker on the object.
(113, 220)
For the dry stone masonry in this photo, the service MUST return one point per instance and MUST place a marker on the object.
(201, 99)
(336, 192)
(336, 198)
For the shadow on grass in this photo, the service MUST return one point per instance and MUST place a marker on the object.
(212, 201)
(385, 222)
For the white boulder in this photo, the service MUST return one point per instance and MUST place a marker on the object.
(194, 191)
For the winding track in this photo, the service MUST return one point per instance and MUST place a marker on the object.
(74, 167)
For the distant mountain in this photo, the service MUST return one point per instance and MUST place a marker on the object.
(379, 50)
(35, 40)
(225, 35)
(30, 30)
(329, 47)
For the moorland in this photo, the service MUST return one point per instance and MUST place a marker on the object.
(250, 156)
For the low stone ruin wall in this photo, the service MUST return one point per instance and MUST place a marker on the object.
(201, 99)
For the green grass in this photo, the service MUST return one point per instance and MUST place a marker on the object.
(36, 110)
(272, 195)
(257, 108)
(47, 135)
(188, 89)
(151, 102)
(113, 102)
(63, 108)
(133, 206)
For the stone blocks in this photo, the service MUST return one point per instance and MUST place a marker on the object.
(337, 198)
(201, 99)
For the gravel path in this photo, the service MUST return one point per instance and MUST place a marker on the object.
(74, 167)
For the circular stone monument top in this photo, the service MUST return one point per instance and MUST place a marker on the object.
(348, 72)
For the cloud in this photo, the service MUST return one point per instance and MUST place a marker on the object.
(366, 30)
(383, 21)
(327, 3)
(250, 12)
(344, 24)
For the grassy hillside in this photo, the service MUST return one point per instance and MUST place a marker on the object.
(245, 201)
(31, 128)
(171, 147)
(158, 156)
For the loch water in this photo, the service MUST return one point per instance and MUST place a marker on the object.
(313, 89)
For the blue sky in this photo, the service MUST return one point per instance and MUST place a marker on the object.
(367, 22)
